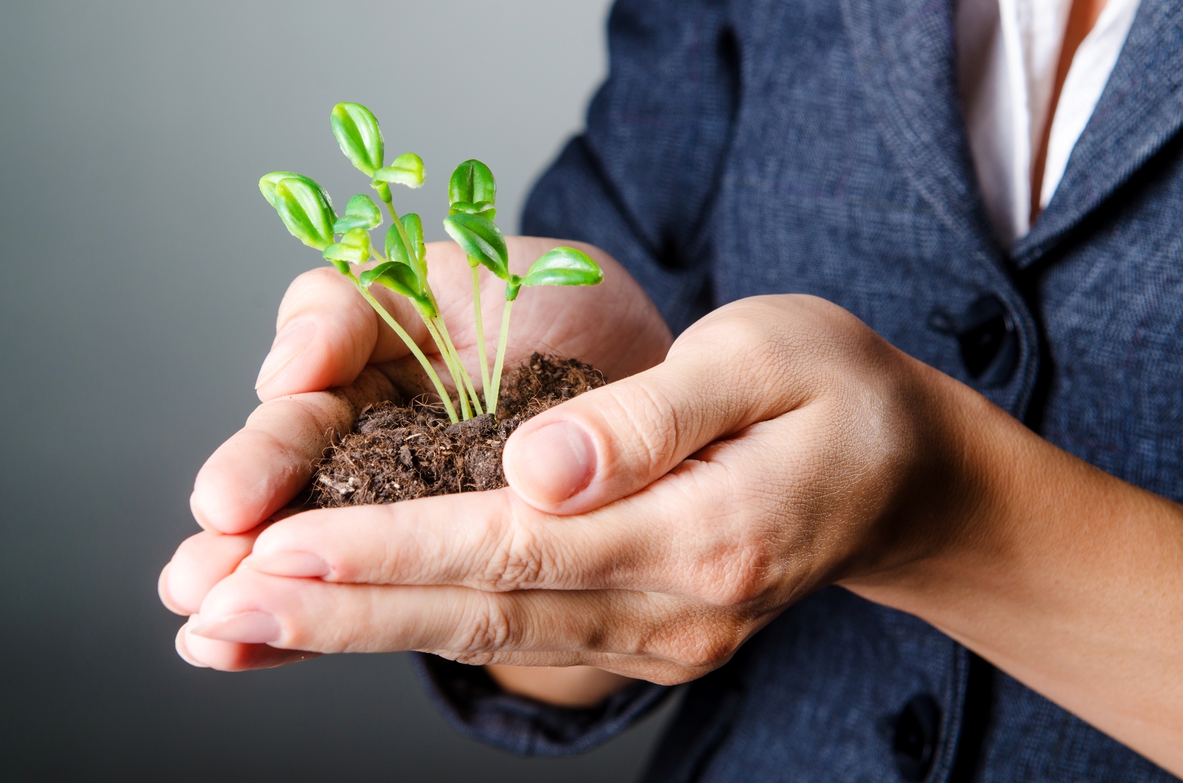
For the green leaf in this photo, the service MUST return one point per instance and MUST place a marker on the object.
(269, 181)
(406, 170)
(354, 248)
(357, 237)
(360, 212)
(396, 250)
(340, 253)
(414, 229)
(482, 240)
(306, 210)
(360, 138)
(484, 208)
(564, 266)
(399, 278)
(472, 182)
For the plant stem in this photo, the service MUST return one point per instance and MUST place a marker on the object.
(414, 348)
(502, 339)
(450, 360)
(480, 337)
(447, 350)
(443, 327)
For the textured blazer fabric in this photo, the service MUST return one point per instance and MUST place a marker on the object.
(818, 146)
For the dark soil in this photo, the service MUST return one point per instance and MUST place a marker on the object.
(399, 452)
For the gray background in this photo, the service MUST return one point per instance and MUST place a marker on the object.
(141, 271)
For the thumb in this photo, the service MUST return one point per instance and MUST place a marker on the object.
(613, 441)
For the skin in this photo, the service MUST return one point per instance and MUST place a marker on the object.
(778, 447)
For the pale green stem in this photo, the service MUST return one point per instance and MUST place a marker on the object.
(447, 349)
(445, 398)
(443, 327)
(465, 409)
(480, 336)
(502, 339)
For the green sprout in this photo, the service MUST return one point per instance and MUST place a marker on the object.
(345, 242)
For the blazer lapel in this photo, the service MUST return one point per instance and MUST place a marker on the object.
(1140, 110)
(906, 58)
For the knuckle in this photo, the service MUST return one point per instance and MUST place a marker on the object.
(735, 573)
(706, 651)
(517, 562)
(740, 581)
(732, 560)
(488, 628)
(521, 557)
(695, 639)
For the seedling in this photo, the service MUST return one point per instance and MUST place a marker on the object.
(345, 242)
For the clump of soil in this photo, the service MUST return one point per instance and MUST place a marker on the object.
(399, 452)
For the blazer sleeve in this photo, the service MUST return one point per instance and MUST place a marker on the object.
(477, 708)
(641, 180)
(639, 183)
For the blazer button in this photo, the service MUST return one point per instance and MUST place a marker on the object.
(917, 731)
(987, 337)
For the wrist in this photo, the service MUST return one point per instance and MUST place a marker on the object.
(573, 687)
(953, 520)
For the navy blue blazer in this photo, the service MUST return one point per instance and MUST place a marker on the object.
(750, 147)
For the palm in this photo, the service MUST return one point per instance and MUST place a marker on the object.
(614, 326)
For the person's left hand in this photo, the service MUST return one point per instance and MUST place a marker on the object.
(650, 527)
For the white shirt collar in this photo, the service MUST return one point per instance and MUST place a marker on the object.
(1008, 52)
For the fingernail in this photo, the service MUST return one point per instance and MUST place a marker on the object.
(245, 628)
(183, 651)
(165, 596)
(199, 514)
(293, 339)
(296, 564)
(553, 463)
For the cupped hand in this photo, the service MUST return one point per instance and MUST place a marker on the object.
(332, 356)
(651, 526)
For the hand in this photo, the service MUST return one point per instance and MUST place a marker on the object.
(782, 446)
(329, 338)
(652, 525)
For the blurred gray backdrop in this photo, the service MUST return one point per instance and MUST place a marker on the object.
(141, 271)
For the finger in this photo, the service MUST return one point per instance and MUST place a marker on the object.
(183, 649)
(731, 370)
(468, 625)
(327, 333)
(232, 657)
(163, 593)
(495, 542)
(491, 541)
(200, 562)
(268, 462)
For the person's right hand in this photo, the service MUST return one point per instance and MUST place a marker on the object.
(332, 356)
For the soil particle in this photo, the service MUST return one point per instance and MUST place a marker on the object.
(400, 452)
